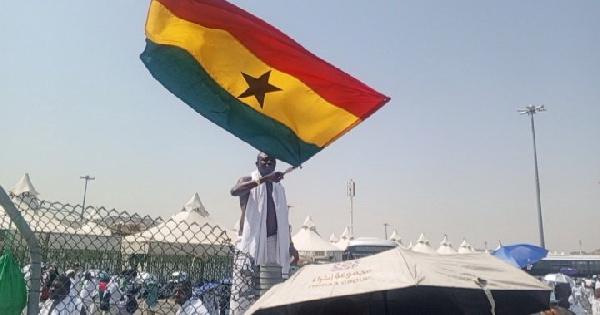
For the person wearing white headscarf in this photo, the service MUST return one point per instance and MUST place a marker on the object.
(264, 235)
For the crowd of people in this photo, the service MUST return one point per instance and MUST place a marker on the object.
(582, 296)
(97, 292)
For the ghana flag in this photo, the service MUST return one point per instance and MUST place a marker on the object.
(251, 79)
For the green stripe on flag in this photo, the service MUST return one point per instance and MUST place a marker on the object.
(179, 72)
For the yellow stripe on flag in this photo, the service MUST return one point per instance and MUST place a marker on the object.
(308, 115)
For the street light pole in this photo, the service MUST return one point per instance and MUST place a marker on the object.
(385, 225)
(531, 110)
(351, 194)
(86, 178)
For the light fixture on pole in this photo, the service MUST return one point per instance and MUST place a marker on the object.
(86, 178)
(531, 110)
(351, 194)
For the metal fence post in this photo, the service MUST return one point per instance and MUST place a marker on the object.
(33, 302)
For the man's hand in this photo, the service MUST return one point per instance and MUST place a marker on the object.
(273, 177)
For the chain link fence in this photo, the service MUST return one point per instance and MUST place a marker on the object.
(111, 262)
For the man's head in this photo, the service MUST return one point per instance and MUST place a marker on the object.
(183, 292)
(60, 288)
(265, 164)
(70, 273)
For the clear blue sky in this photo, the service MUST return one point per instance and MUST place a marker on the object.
(448, 155)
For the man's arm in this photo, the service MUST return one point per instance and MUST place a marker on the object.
(245, 184)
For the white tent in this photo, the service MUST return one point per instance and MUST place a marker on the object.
(191, 231)
(345, 238)
(446, 247)
(333, 239)
(312, 247)
(24, 195)
(465, 247)
(396, 238)
(422, 246)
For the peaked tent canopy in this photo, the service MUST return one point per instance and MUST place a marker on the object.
(446, 247)
(24, 195)
(309, 243)
(333, 238)
(465, 247)
(396, 238)
(422, 246)
(345, 238)
(192, 230)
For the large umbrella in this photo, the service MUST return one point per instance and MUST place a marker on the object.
(520, 255)
(401, 281)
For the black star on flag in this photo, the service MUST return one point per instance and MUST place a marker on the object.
(258, 87)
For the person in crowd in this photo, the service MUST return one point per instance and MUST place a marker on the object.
(263, 235)
(60, 303)
(596, 302)
(47, 279)
(189, 305)
(209, 294)
(129, 291)
(88, 292)
(75, 285)
(111, 298)
(150, 296)
(562, 292)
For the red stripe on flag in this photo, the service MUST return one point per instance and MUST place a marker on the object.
(282, 53)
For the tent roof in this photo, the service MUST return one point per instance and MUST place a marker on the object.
(423, 245)
(465, 247)
(180, 227)
(396, 238)
(308, 239)
(345, 238)
(347, 235)
(333, 238)
(24, 186)
(446, 247)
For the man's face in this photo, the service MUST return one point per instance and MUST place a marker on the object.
(265, 164)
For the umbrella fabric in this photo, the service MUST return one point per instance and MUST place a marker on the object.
(401, 281)
(520, 255)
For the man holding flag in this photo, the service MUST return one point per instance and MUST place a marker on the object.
(264, 226)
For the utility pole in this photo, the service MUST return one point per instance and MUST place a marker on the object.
(86, 178)
(351, 194)
(385, 225)
(531, 110)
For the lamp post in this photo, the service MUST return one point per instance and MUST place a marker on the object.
(385, 225)
(351, 194)
(531, 110)
(86, 178)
